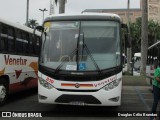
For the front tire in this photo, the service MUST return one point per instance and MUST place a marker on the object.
(3, 93)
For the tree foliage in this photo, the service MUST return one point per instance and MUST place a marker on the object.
(32, 23)
(153, 34)
(135, 29)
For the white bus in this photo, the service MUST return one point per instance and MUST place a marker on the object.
(153, 57)
(18, 58)
(81, 60)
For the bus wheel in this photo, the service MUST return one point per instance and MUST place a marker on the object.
(3, 93)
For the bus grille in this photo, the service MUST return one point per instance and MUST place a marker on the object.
(70, 90)
(88, 99)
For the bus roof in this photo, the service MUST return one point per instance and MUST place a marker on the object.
(84, 16)
(154, 45)
(18, 26)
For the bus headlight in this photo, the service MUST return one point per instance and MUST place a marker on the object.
(112, 85)
(116, 82)
(45, 83)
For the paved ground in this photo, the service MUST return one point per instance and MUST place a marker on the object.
(135, 99)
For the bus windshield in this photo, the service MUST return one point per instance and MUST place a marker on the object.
(81, 45)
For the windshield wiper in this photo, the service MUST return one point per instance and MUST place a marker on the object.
(42, 58)
(90, 54)
(77, 55)
(77, 52)
(65, 60)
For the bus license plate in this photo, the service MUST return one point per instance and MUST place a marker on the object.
(80, 103)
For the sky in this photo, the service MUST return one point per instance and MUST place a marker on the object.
(15, 10)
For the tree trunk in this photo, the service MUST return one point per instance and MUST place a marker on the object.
(144, 40)
(129, 52)
(128, 49)
(62, 6)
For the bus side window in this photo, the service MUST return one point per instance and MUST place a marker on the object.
(19, 42)
(4, 38)
(25, 42)
(31, 45)
(37, 45)
(11, 39)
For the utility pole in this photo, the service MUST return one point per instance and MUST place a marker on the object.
(27, 13)
(62, 6)
(144, 40)
(129, 53)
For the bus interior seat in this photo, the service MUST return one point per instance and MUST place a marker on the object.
(65, 58)
(81, 58)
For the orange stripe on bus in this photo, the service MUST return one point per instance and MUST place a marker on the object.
(63, 84)
(2, 71)
(81, 85)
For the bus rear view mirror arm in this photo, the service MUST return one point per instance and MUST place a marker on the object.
(39, 28)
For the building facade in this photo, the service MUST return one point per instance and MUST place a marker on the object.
(153, 11)
(123, 13)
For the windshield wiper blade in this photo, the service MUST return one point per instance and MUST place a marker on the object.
(83, 47)
(65, 60)
(72, 53)
(93, 60)
(90, 55)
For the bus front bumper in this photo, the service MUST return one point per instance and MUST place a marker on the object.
(98, 98)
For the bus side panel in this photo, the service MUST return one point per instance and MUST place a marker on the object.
(21, 70)
(32, 83)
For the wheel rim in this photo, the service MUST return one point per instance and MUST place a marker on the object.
(2, 93)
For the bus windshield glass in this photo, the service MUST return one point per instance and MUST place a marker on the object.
(81, 45)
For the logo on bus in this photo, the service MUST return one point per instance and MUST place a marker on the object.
(77, 85)
(14, 61)
(104, 82)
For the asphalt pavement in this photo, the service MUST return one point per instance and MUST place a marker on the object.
(137, 101)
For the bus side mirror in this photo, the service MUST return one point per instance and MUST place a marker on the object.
(127, 36)
(39, 28)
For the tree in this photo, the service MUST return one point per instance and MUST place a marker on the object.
(135, 30)
(129, 51)
(32, 23)
(144, 40)
(56, 1)
(61, 5)
(153, 32)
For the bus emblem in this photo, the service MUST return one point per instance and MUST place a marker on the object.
(77, 85)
